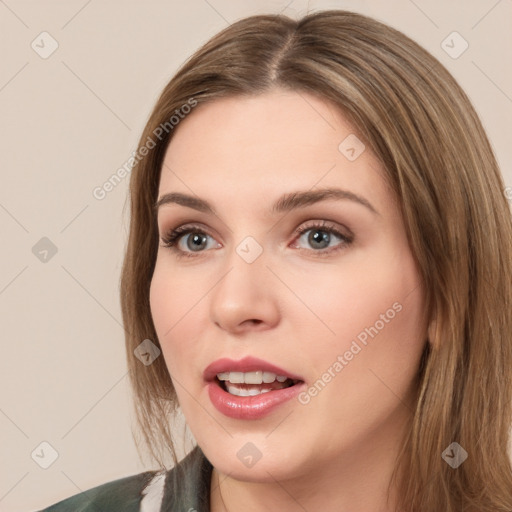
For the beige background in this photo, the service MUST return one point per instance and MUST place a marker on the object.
(68, 122)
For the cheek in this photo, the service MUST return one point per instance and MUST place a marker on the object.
(377, 304)
(171, 302)
(369, 364)
(161, 302)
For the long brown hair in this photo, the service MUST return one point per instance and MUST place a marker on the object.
(418, 121)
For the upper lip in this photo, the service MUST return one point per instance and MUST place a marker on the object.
(246, 364)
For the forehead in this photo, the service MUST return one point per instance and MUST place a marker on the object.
(255, 148)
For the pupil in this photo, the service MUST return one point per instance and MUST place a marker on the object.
(198, 241)
(314, 239)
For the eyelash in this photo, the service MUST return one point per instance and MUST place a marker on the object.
(172, 238)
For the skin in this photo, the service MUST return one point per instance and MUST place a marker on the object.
(290, 306)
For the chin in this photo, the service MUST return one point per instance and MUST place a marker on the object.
(262, 472)
(248, 458)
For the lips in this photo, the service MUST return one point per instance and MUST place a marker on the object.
(247, 364)
(247, 406)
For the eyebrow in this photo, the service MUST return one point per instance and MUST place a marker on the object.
(285, 203)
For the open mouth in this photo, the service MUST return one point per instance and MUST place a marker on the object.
(253, 383)
(250, 388)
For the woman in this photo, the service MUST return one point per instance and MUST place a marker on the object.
(317, 273)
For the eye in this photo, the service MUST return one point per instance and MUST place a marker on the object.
(194, 243)
(321, 234)
(194, 239)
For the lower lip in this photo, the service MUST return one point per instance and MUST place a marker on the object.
(250, 407)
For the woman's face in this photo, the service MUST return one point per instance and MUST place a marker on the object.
(338, 307)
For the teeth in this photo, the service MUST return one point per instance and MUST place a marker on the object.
(236, 377)
(269, 377)
(257, 377)
(253, 377)
(234, 390)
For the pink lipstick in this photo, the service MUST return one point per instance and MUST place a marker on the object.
(249, 388)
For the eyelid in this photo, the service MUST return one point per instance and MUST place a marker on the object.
(329, 227)
(174, 236)
(324, 223)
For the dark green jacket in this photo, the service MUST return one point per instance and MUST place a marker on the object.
(186, 489)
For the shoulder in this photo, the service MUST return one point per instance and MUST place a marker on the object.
(123, 494)
(184, 487)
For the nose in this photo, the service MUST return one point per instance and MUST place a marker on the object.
(245, 298)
